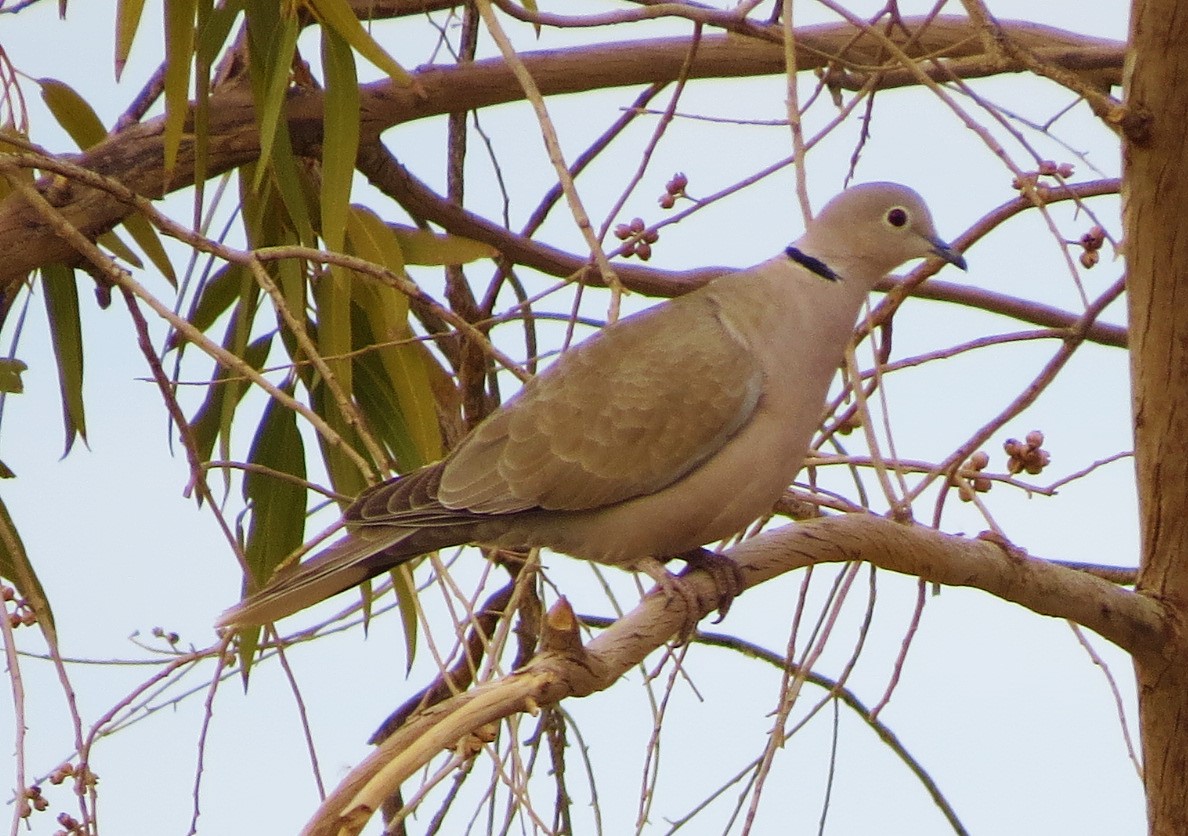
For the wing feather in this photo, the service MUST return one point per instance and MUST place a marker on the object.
(587, 431)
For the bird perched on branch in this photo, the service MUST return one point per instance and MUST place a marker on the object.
(668, 430)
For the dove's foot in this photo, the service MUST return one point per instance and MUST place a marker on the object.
(726, 574)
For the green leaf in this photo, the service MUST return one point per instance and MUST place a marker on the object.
(10, 375)
(340, 137)
(279, 212)
(127, 22)
(236, 341)
(272, 41)
(290, 278)
(61, 305)
(290, 188)
(399, 385)
(179, 55)
(200, 129)
(332, 293)
(213, 31)
(340, 145)
(216, 296)
(116, 246)
(278, 505)
(72, 112)
(277, 524)
(213, 419)
(78, 118)
(395, 394)
(338, 16)
(406, 596)
(249, 643)
(143, 234)
(423, 247)
(381, 407)
(344, 473)
(15, 566)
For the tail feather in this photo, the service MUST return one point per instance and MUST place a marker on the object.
(342, 565)
(389, 523)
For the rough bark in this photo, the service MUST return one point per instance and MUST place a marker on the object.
(1155, 192)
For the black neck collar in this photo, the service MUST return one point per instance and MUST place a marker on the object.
(813, 265)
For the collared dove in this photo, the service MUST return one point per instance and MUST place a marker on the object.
(668, 430)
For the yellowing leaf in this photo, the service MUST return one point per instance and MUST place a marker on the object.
(127, 22)
(530, 5)
(179, 54)
(338, 16)
(370, 238)
(422, 247)
(14, 141)
(72, 112)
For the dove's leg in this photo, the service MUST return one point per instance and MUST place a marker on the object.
(727, 575)
(673, 587)
(725, 572)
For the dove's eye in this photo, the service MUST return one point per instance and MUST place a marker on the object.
(897, 217)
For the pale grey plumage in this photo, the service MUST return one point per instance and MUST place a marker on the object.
(671, 429)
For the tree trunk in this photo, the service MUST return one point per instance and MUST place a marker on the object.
(1155, 199)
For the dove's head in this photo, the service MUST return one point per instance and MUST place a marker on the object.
(869, 230)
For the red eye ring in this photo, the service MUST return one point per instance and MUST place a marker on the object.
(897, 216)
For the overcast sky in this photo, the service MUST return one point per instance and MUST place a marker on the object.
(1004, 708)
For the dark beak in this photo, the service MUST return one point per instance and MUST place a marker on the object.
(946, 251)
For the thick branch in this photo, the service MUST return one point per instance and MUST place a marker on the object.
(1133, 621)
(135, 157)
(422, 202)
(1156, 232)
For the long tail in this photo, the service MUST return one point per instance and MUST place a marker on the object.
(340, 566)
(390, 523)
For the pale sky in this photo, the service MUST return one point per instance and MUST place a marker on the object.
(1004, 708)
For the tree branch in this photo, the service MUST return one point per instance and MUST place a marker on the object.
(1133, 621)
(395, 180)
(135, 155)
